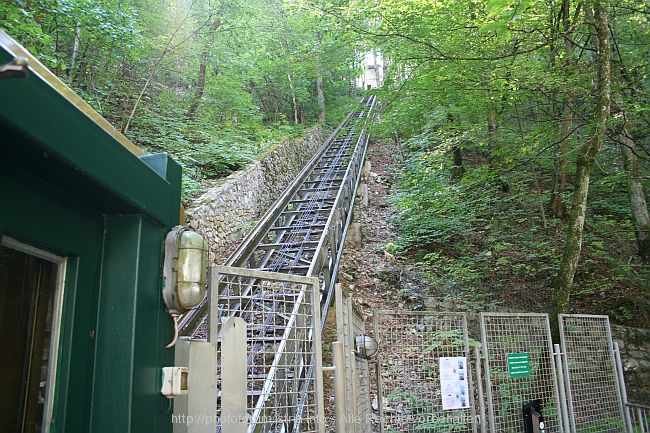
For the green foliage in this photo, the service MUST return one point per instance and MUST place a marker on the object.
(479, 96)
(485, 234)
(482, 86)
(246, 69)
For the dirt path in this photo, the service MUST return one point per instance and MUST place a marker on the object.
(368, 271)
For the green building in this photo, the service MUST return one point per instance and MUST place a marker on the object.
(83, 219)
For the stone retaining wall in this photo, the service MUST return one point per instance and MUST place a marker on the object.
(634, 344)
(225, 213)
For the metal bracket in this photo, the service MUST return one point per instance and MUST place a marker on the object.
(15, 69)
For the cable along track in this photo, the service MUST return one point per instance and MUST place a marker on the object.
(301, 235)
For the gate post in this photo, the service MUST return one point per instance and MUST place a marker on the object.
(340, 402)
(234, 366)
(564, 410)
(196, 412)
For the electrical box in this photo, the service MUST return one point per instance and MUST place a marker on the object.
(175, 380)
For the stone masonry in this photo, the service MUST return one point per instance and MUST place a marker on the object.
(225, 213)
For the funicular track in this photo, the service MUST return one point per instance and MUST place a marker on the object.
(303, 231)
(301, 235)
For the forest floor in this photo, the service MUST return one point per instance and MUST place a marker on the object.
(376, 279)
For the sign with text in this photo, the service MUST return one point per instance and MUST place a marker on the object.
(454, 382)
(518, 364)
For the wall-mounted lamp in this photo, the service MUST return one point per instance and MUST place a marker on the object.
(184, 272)
(365, 346)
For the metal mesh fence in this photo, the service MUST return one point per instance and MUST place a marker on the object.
(519, 369)
(424, 377)
(350, 323)
(281, 312)
(593, 389)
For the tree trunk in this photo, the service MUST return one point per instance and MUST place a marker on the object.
(492, 117)
(200, 84)
(558, 206)
(638, 203)
(320, 93)
(585, 161)
(293, 100)
(457, 170)
(75, 52)
(203, 67)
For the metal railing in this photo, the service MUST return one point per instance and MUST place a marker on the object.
(519, 367)
(277, 285)
(303, 231)
(639, 417)
(578, 388)
(282, 368)
(350, 323)
(593, 389)
(424, 374)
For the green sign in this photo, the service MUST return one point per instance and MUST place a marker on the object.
(518, 364)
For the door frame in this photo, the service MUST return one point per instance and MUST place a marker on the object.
(57, 312)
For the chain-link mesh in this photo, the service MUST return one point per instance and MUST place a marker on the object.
(283, 355)
(350, 323)
(593, 390)
(424, 380)
(519, 369)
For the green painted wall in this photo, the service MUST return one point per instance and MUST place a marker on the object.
(131, 330)
(35, 218)
(69, 187)
(114, 325)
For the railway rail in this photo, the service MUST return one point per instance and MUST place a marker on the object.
(280, 282)
(303, 231)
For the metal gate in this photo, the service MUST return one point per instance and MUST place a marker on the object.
(519, 368)
(424, 373)
(418, 371)
(351, 323)
(265, 328)
(593, 385)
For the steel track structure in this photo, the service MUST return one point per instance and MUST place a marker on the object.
(280, 281)
(303, 231)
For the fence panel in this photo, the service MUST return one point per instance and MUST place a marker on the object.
(284, 374)
(519, 368)
(424, 372)
(595, 402)
(350, 323)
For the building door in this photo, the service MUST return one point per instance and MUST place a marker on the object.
(31, 283)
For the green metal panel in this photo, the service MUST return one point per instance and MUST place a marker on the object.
(72, 185)
(33, 217)
(133, 330)
(113, 338)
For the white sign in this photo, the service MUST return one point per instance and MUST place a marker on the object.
(453, 382)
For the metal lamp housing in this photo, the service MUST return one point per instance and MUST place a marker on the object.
(365, 346)
(185, 270)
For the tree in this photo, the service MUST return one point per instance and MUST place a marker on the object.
(562, 24)
(597, 12)
(520, 84)
(628, 34)
(638, 203)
